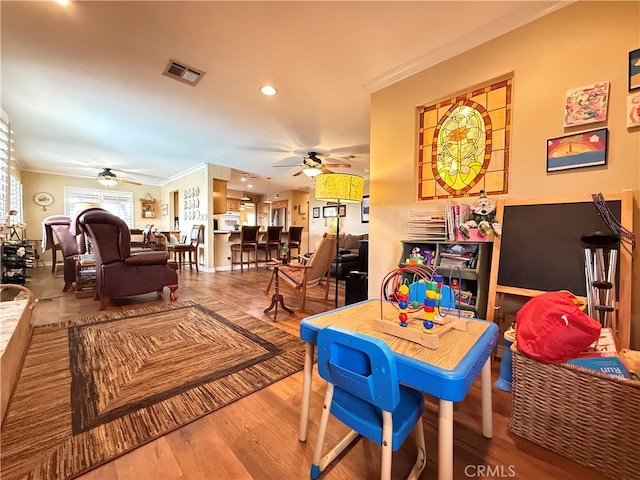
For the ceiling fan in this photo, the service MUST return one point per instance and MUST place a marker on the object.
(313, 166)
(107, 178)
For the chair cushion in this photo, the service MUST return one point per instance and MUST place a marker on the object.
(246, 245)
(293, 273)
(151, 257)
(181, 248)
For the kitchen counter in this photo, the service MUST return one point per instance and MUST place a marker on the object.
(223, 240)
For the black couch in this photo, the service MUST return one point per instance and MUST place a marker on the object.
(351, 259)
(354, 255)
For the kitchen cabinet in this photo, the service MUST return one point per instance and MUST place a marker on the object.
(220, 196)
(233, 204)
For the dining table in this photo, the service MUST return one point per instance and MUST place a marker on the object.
(446, 372)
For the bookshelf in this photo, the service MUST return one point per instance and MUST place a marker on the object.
(148, 208)
(473, 263)
(17, 258)
(85, 276)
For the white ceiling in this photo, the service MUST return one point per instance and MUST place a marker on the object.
(84, 88)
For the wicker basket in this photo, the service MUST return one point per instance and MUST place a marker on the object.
(582, 414)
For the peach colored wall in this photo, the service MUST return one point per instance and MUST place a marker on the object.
(583, 43)
(201, 177)
(33, 182)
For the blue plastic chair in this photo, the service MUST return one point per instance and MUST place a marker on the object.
(363, 393)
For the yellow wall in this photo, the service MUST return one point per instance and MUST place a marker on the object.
(583, 43)
(33, 183)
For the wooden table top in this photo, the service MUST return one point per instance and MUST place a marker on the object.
(452, 347)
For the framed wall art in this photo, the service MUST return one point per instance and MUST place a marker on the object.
(165, 209)
(586, 104)
(634, 70)
(365, 209)
(316, 212)
(464, 143)
(586, 149)
(633, 110)
(331, 211)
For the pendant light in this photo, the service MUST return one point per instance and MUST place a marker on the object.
(268, 200)
(245, 197)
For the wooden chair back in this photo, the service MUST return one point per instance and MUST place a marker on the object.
(320, 261)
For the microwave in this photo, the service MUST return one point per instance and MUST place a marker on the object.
(228, 221)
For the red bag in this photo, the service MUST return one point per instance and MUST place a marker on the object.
(552, 328)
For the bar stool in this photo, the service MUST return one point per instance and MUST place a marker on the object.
(272, 243)
(295, 239)
(248, 243)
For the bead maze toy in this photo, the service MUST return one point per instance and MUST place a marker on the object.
(422, 317)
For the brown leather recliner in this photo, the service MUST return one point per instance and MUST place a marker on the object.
(70, 244)
(120, 272)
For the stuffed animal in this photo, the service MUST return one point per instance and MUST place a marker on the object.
(631, 360)
(483, 217)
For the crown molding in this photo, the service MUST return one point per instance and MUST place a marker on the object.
(482, 34)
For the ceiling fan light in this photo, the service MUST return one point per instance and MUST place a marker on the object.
(311, 171)
(107, 182)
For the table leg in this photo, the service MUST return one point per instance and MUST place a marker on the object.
(306, 392)
(445, 440)
(276, 298)
(487, 407)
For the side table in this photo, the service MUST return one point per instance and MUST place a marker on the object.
(85, 276)
(276, 298)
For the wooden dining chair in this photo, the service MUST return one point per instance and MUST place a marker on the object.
(248, 243)
(364, 394)
(179, 250)
(146, 239)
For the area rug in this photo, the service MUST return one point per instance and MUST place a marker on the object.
(93, 389)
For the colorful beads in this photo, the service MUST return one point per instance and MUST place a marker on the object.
(403, 303)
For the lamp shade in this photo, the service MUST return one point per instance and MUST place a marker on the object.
(339, 187)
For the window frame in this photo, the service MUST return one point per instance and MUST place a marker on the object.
(105, 198)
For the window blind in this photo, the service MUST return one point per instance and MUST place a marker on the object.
(116, 202)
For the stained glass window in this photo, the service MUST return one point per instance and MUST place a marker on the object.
(463, 144)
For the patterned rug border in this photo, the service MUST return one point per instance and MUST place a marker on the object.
(133, 312)
(76, 455)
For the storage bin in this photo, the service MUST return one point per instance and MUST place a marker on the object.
(590, 417)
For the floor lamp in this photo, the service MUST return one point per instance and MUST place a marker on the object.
(340, 188)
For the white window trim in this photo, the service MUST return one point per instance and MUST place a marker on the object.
(105, 198)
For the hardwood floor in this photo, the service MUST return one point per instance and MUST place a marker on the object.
(256, 437)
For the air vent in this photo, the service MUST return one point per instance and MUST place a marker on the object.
(183, 73)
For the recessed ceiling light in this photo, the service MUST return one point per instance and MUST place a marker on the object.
(62, 2)
(268, 90)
